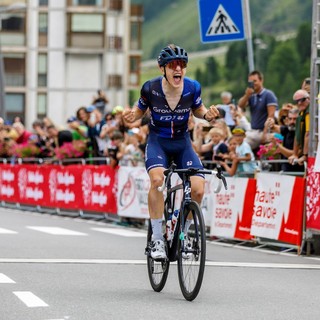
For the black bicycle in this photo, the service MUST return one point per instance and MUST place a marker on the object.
(185, 240)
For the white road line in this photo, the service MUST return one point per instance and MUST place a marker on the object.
(29, 299)
(5, 279)
(143, 262)
(57, 231)
(7, 231)
(121, 232)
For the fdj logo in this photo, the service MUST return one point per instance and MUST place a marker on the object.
(170, 118)
(189, 163)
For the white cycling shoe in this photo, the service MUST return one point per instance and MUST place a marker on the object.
(187, 246)
(158, 251)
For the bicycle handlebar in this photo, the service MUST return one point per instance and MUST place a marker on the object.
(192, 171)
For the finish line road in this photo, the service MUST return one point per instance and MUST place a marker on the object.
(54, 268)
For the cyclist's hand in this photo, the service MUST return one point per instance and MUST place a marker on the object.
(212, 113)
(128, 115)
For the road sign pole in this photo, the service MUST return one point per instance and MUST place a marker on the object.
(247, 26)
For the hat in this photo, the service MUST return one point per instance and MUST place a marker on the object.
(117, 109)
(90, 108)
(300, 94)
(238, 130)
(72, 119)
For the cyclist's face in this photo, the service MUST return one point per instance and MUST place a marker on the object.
(175, 72)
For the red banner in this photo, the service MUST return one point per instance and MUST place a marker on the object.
(75, 187)
(313, 197)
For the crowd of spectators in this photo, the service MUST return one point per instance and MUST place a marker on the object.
(251, 129)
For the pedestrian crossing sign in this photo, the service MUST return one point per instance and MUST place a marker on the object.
(221, 20)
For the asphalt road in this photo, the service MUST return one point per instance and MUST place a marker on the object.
(54, 268)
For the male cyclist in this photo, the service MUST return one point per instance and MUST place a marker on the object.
(170, 99)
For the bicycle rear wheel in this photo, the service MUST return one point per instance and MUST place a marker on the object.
(192, 252)
(157, 270)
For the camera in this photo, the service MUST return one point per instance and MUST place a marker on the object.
(218, 158)
(250, 84)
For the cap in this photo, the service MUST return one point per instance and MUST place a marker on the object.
(72, 119)
(300, 94)
(238, 130)
(90, 108)
(117, 109)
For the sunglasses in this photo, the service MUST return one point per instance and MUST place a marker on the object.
(174, 63)
(301, 100)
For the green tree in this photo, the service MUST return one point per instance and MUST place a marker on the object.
(303, 42)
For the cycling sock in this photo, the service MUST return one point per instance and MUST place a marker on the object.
(156, 225)
(187, 225)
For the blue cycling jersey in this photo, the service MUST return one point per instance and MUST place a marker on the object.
(165, 122)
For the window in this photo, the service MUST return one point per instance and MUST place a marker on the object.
(42, 70)
(116, 5)
(41, 105)
(12, 29)
(14, 66)
(86, 30)
(85, 2)
(115, 43)
(115, 81)
(43, 29)
(135, 35)
(43, 3)
(134, 72)
(14, 103)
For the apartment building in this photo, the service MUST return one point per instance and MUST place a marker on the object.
(56, 54)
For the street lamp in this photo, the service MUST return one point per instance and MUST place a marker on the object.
(11, 8)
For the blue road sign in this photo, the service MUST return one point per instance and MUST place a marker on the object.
(221, 20)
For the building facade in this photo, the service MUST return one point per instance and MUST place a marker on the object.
(56, 54)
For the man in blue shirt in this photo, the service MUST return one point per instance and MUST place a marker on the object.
(262, 104)
(170, 99)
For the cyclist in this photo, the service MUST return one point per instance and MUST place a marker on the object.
(171, 98)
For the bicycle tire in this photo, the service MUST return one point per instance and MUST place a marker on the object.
(157, 270)
(191, 269)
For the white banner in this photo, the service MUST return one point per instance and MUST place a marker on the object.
(272, 204)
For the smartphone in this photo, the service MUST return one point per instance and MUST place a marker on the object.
(250, 84)
(218, 158)
(206, 129)
(307, 81)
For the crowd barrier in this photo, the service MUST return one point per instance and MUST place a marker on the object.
(279, 207)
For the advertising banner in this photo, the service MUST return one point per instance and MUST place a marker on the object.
(312, 196)
(8, 183)
(278, 208)
(233, 208)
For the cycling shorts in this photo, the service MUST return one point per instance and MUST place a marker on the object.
(161, 151)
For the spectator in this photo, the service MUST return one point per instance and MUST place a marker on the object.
(23, 135)
(58, 137)
(262, 103)
(239, 118)
(79, 132)
(221, 124)
(132, 151)
(301, 140)
(226, 97)
(288, 132)
(100, 101)
(216, 144)
(244, 161)
(306, 85)
(116, 150)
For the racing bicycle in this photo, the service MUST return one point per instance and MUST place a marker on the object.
(187, 246)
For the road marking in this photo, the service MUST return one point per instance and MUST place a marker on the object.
(5, 279)
(58, 231)
(121, 232)
(29, 299)
(143, 262)
(7, 231)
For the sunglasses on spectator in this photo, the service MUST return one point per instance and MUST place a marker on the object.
(301, 100)
(174, 63)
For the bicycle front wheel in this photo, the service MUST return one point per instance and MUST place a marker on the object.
(192, 251)
(157, 270)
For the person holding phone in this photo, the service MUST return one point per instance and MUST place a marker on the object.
(262, 104)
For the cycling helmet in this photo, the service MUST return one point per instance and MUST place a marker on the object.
(170, 53)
